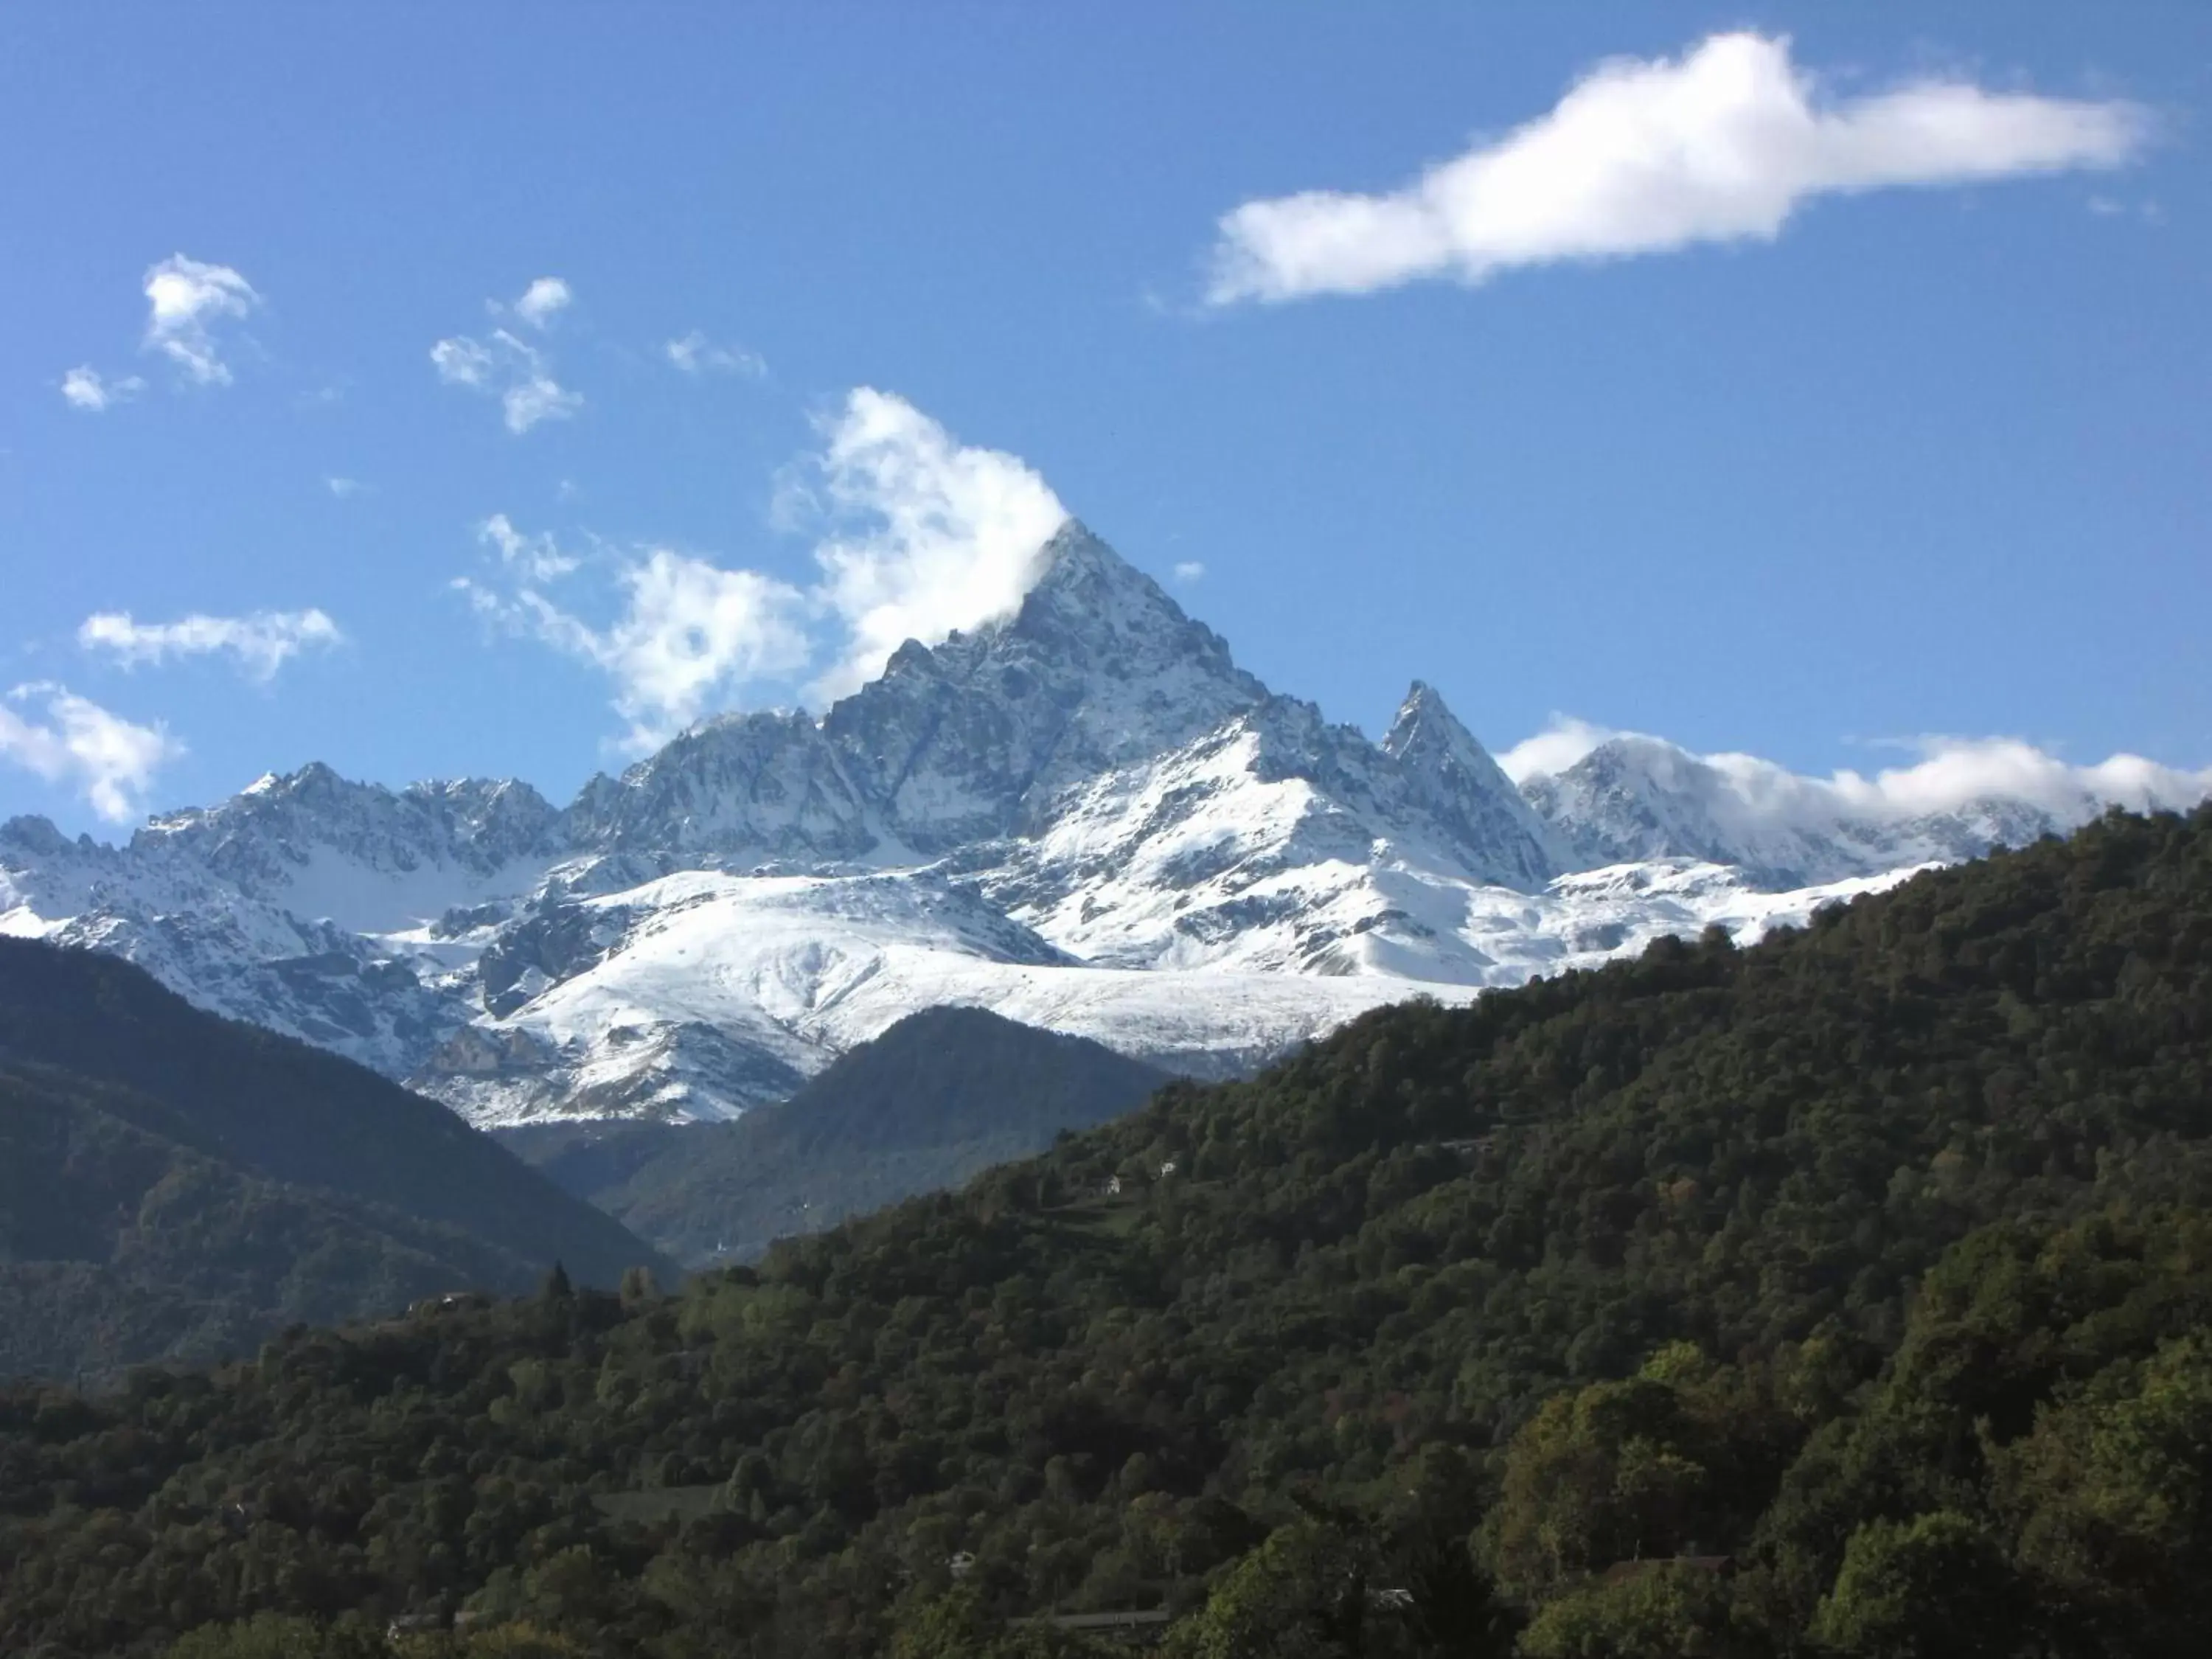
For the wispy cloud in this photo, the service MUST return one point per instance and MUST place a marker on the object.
(260, 644)
(695, 355)
(535, 558)
(1722, 144)
(1189, 571)
(690, 636)
(464, 361)
(108, 759)
(343, 488)
(536, 396)
(512, 370)
(188, 301)
(85, 388)
(505, 366)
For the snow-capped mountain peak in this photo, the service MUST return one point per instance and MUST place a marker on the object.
(972, 738)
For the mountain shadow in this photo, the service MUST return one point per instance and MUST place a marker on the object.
(938, 1097)
(177, 1186)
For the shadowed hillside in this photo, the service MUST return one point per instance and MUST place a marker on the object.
(1848, 1294)
(938, 1096)
(175, 1185)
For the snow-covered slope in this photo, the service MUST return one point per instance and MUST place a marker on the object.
(1085, 816)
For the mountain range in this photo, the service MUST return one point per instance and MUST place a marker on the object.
(1084, 817)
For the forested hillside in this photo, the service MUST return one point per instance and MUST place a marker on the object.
(177, 1186)
(1851, 1293)
(940, 1096)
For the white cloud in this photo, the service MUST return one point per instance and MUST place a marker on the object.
(691, 636)
(942, 535)
(1720, 145)
(921, 535)
(107, 758)
(463, 361)
(696, 355)
(187, 300)
(1553, 749)
(1189, 571)
(85, 388)
(260, 644)
(512, 369)
(536, 397)
(343, 488)
(1951, 774)
(542, 299)
(535, 557)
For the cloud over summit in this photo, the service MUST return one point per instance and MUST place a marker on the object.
(926, 535)
(917, 535)
(1721, 144)
(1951, 774)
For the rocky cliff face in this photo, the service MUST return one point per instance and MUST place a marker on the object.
(742, 786)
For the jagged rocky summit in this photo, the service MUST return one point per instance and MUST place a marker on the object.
(1083, 816)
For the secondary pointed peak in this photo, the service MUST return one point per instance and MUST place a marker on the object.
(1425, 716)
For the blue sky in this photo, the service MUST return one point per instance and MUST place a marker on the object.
(674, 359)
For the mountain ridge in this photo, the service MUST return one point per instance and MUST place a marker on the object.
(1083, 814)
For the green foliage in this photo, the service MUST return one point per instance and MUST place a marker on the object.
(272, 1636)
(1670, 1613)
(1622, 1471)
(1302, 1594)
(175, 1186)
(2112, 1494)
(960, 1624)
(268, 1635)
(940, 1097)
(1873, 1257)
(1930, 1588)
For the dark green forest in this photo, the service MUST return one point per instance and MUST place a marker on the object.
(940, 1096)
(174, 1185)
(1849, 1294)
